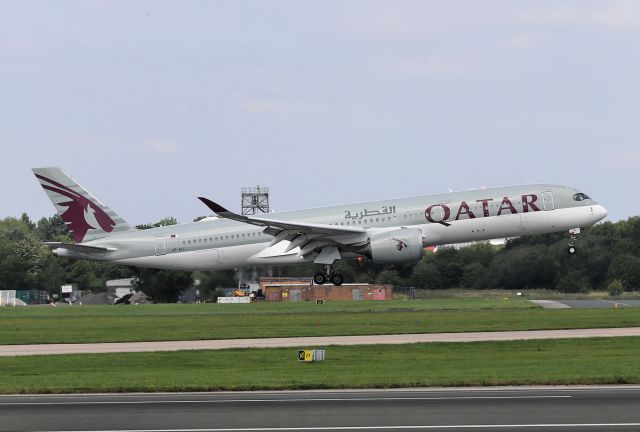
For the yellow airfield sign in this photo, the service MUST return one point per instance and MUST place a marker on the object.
(310, 355)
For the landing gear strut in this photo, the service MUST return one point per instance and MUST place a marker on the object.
(573, 236)
(328, 275)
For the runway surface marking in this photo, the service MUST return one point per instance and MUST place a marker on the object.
(487, 389)
(413, 427)
(536, 408)
(551, 304)
(394, 339)
(615, 303)
(213, 401)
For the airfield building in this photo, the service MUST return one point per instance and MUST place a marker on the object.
(277, 289)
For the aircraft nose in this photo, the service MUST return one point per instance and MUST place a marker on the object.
(599, 212)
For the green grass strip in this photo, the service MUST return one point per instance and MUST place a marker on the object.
(71, 328)
(563, 361)
(505, 302)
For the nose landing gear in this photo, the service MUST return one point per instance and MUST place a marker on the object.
(573, 236)
(328, 275)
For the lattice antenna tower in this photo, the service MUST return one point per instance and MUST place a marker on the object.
(255, 200)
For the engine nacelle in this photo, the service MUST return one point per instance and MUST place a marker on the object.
(401, 246)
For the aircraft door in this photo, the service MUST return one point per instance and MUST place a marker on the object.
(547, 200)
(161, 248)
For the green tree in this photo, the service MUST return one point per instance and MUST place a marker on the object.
(389, 277)
(26, 220)
(52, 229)
(626, 267)
(615, 287)
(211, 281)
(426, 275)
(481, 253)
(162, 222)
(472, 275)
(520, 268)
(163, 286)
(573, 281)
(20, 258)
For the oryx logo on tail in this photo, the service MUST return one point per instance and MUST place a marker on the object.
(81, 214)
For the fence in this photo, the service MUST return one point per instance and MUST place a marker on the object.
(406, 292)
(22, 297)
(7, 298)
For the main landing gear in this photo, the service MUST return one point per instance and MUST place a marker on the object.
(328, 275)
(573, 236)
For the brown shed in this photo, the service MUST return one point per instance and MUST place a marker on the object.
(303, 289)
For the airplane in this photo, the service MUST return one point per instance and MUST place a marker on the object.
(392, 231)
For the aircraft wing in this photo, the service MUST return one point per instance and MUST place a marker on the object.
(309, 237)
(281, 225)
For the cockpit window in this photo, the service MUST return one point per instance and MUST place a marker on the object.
(580, 197)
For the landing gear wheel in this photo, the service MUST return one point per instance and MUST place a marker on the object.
(336, 279)
(573, 236)
(319, 279)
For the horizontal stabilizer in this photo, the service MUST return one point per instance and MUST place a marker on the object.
(78, 247)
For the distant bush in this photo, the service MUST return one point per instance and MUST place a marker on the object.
(615, 287)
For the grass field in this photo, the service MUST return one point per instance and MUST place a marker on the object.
(569, 361)
(77, 324)
(496, 302)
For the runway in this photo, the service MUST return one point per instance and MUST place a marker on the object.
(48, 349)
(587, 304)
(467, 409)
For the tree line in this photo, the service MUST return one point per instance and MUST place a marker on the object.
(608, 258)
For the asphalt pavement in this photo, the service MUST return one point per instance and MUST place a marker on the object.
(487, 409)
(587, 304)
(599, 304)
(394, 339)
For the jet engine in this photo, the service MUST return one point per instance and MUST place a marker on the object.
(399, 246)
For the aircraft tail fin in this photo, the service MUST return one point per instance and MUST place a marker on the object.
(86, 218)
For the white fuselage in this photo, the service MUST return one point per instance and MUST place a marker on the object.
(216, 244)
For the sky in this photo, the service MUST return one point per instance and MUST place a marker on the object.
(149, 104)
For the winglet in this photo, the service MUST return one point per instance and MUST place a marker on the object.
(224, 213)
(215, 207)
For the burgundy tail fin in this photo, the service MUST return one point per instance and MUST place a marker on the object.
(86, 217)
